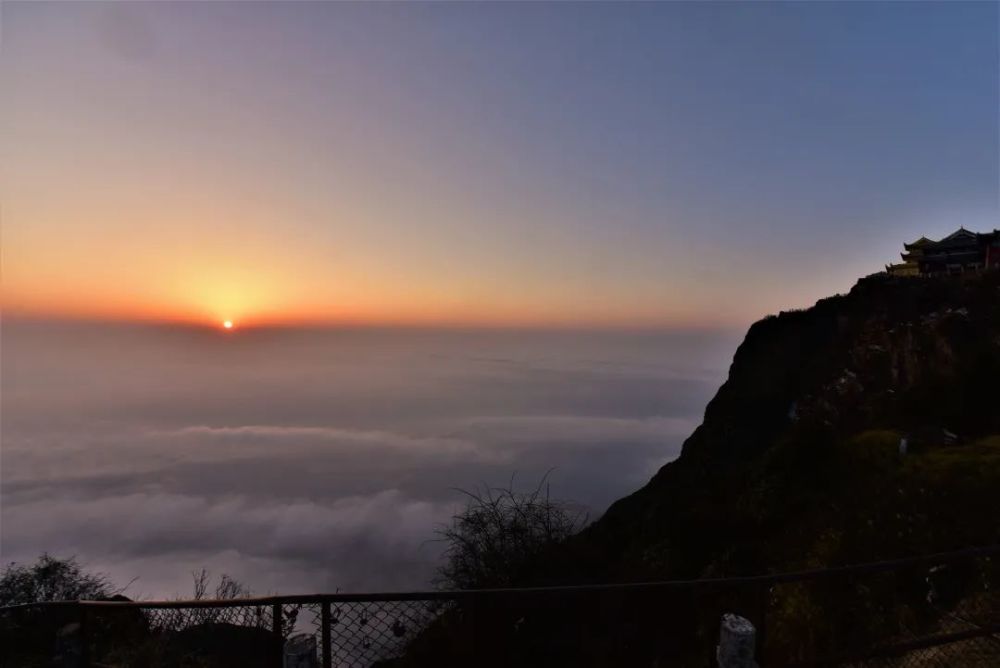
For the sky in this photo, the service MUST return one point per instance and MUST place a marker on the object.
(598, 164)
(573, 208)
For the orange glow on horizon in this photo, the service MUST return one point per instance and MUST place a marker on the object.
(401, 317)
(260, 287)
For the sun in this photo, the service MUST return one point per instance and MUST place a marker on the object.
(227, 324)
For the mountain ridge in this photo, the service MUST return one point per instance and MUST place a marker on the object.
(811, 395)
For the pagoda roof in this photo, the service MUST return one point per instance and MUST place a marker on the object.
(959, 237)
(919, 243)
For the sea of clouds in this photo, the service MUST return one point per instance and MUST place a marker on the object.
(317, 460)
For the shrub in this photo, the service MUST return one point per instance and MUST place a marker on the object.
(500, 534)
(52, 579)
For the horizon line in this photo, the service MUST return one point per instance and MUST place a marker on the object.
(14, 316)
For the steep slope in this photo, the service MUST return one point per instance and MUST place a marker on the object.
(797, 461)
(797, 465)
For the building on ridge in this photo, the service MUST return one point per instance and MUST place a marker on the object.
(961, 252)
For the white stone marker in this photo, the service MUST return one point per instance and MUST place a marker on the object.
(736, 643)
(300, 651)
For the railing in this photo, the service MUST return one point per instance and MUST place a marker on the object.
(934, 610)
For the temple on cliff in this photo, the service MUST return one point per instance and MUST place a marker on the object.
(962, 251)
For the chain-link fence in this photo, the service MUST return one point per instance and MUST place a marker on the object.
(935, 610)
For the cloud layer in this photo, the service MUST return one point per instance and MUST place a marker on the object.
(135, 476)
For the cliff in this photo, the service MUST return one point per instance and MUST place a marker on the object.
(797, 463)
(863, 428)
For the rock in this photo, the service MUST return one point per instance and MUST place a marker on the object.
(300, 651)
(737, 638)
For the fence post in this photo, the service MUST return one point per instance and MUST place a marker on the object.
(279, 640)
(736, 643)
(84, 636)
(764, 602)
(325, 634)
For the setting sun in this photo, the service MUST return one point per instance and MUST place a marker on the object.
(228, 324)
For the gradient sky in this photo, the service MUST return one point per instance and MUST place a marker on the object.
(673, 164)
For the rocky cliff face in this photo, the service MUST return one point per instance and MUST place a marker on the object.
(798, 462)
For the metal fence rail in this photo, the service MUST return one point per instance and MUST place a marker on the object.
(933, 610)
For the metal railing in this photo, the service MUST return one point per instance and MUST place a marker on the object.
(933, 610)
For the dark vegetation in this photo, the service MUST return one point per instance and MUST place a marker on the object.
(124, 638)
(53, 579)
(501, 534)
